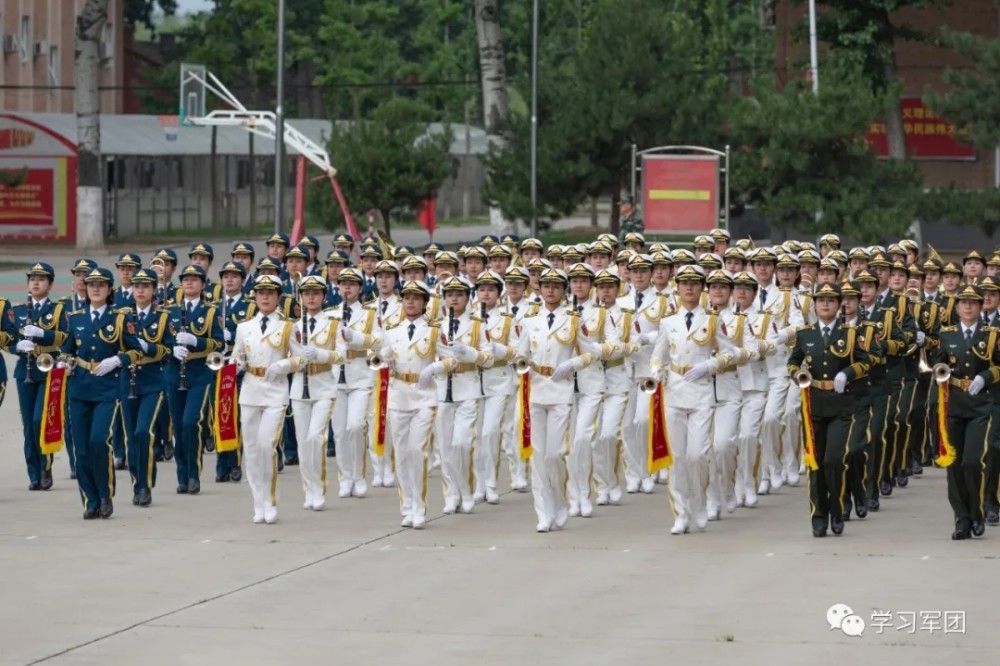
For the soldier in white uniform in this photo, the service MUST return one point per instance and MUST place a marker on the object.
(410, 347)
(261, 351)
(389, 307)
(498, 385)
(650, 307)
(519, 306)
(687, 352)
(790, 313)
(317, 341)
(360, 330)
(548, 342)
(463, 350)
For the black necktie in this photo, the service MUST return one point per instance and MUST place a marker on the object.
(97, 317)
(347, 314)
(826, 335)
(312, 324)
(552, 318)
(409, 330)
(763, 297)
(968, 337)
(36, 312)
(142, 318)
(263, 325)
(230, 304)
(638, 300)
(385, 304)
(688, 317)
(513, 310)
(190, 309)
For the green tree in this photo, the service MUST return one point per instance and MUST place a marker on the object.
(141, 11)
(387, 162)
(803, 159)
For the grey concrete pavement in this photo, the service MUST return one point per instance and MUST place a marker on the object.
(192, 581)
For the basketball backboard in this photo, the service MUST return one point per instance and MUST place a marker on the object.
(192, 93)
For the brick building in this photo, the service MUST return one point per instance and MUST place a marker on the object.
(38, 42)
(920, 66)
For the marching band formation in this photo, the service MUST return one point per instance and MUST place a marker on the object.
(592, 370)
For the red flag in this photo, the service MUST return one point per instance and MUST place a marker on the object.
(427, 215)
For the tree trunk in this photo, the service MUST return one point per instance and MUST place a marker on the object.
(86, 60)
(895, 135)
(614, 223)
(213, 178)
(252, 170)
(385, 226)
(493, 72)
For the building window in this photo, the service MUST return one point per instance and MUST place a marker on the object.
(54, 66)
(27, 39)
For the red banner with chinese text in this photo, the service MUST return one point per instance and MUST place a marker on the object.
(928, 135)
(30, 203)
(227, 425)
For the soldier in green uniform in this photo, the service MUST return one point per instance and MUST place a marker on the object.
(630, 219)
(830, 352)
(970, 351)
(991, 317)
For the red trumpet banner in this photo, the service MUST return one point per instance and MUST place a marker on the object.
(680, 193)
(928, 135)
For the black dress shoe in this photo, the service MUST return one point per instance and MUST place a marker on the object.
(902, 480)
(992, 518)
(158, 457)
(819, 532)
(46, 479)
(119, 464)
(210, 446)
(91, 514)
(861, 509)
(847, 516)
(235, 474)
(292, 462)
(145, 497)
(168, 451)
(281, 463)
(72, 474)
(221, 478)
(330, 453)
(959, 535)
(978, 528)
(885, 488)
(135, 499)
(873, 504)
(182, 489)
(107, 508)
(837, 525)
(34, 485)
(917, 469)
(194, 486)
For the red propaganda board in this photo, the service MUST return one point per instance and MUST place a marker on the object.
(32, 202)
(928, 135)
(680, 193)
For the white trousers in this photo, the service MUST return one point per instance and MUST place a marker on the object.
(634, 435)
(791, 440)
(381, 464)
(350, 414)
(517, 465)
(607, 450)
(487, 456)
(311, 420)
(550, 443)
(586, 422)
(411, 433)
(751, 417)
(725, 439)
(771, 429)
(690, 433)
(261, 429)
(455, 436)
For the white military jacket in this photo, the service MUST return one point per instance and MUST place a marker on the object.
(325, 370)
(500, 378)
(407, 359)
(465, 383)
(646, 319)
(618, 371)
(255, 352)
(752, 331)
(546, 347)
(363, 319)
(786, 313)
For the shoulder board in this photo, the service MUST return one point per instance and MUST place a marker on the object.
(991, 329)
(506, 314)
(431, 322)
(123, 311)
(784, 288)
(392, 325)
(949, 329)
(370, 306)
(281, 315)
(628, 310)
(531, 314)
(332, 309)
(887, 308)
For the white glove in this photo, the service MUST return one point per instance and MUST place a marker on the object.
(565, 369)
(698, 371)
(65, 366)
(228, 336)
(921, 338)
(107, 366)
(427, 375)
(275, 371)
(32, 331)
(782, 337)
(144, 345)
(499, 350)
(310, 353)
(181, 353)
(588, 346)
(186, 339)
(25, 346)
(350, 335)
(840, 382)
(465, 353)
(976, 386)
(648, 338)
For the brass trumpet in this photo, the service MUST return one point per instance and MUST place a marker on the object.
(521, 365)
(45, 362)
(215, 361)
(922, 365)
(912, 295)
(803, 378)
(375, 361)
(806, 281)
(648, 385)
(942, 372)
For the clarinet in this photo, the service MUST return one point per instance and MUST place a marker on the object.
(183, 372)
(29, 359)
(576, 385)
(482, 386)
(451, 341)
(305, 342)
(133, 369)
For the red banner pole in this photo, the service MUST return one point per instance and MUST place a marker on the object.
(298, 230)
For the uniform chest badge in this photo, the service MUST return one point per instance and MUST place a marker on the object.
(201, 320)
(981, 345)
(153, 326)
(952, 359)
(79, 342)
(48, 317)
(808, 359)
(109, 328)
(840, 344)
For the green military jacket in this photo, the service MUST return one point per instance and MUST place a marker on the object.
(968, 361)
(825, 360)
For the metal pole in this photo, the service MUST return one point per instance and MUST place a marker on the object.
(534, 119)
(279, 138)
(813, 57)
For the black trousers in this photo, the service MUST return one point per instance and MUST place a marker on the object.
(878, 428)
(827, 484)
(966, 476)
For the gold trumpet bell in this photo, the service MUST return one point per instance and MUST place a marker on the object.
(648, 385)
(522, 366)
(45, 362)
(923, 366)
(803, 378)
(942, 372)
(375, 361)
(215, 361)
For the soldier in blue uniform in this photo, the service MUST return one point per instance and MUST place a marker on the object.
(98, 339)
(236, 308)
(370, 256)
(165, 289)
(277, 245)
(311, 245)
(243, 254)
(970, 351)
(296, 263)
(126, 265)
(202, 255)
(195, 331)
(77, 300)
(41, 329)
(343, 243)
(142, 383)
(336, 261)
(8, 333)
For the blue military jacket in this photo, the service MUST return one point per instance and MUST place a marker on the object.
(90, 344)
(147, 365)
(52, 320)
(205, 322)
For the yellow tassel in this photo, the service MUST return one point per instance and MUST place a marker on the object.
(809, 436)
(946, 452)
(523, 417)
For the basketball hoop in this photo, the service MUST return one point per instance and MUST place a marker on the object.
(170, 125)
